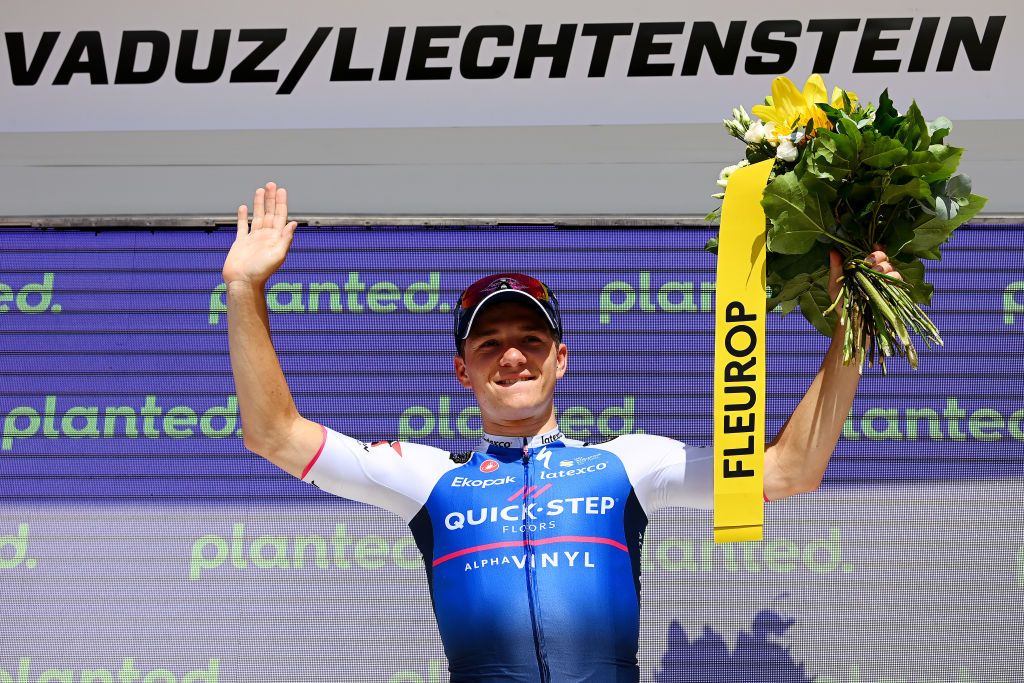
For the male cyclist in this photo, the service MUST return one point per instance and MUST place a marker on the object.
(531, 541)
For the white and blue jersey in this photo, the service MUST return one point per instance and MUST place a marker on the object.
(531, 545)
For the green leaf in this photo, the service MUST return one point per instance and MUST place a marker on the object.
(880, 151)
(794, 288)
(899, 233)
(850, 130)
(938, 162)
(931, 231)
(886, 117)
(914, 132)
(785, 267)
(915, 188)
(813, 303)
(786, 307)
(912, 271)
(798, 215)
(712, 246)
(831, 112)
(832, 156)
(958, 187)
(946, 208)
(939, 128)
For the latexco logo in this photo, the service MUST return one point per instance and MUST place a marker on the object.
(575, 471)
(128, 673)
(34, 297)
(353, 296)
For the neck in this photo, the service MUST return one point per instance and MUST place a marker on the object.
(526, 427)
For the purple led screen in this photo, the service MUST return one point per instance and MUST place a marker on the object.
(116, 382)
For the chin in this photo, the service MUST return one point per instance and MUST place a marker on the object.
(520, 406)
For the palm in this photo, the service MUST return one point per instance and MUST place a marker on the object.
(258, 252)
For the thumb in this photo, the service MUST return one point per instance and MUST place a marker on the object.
(835, 262)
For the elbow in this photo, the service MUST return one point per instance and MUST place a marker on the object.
(251, 446)
(806, 486)
(255, 443)
(810, 487)
(261, 439)
(780, 489)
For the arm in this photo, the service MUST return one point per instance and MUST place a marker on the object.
(795, 461)
(271, 424)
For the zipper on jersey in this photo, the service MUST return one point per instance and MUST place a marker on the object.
(531, 574)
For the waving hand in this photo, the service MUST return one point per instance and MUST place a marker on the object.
(260, 250)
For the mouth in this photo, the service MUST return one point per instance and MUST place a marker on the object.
(513, 380)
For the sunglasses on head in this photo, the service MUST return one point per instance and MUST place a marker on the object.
(481, 289)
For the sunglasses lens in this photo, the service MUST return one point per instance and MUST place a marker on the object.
(523, 283)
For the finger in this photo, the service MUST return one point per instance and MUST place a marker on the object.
(270, 202)
(257, 209)
(876, 257)
(884, 267)
(281, 212)
(243, 221)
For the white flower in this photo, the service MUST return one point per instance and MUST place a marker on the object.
(758, 132)
(723, 177)
(787, 151)
(741, 116)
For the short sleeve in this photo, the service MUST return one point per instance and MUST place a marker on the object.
(393, 475)
(665, 472)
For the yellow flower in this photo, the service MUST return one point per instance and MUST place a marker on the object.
(790, 110)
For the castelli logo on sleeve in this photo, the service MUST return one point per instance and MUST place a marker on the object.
(488, 466)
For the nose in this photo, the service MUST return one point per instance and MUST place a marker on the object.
(512, 357)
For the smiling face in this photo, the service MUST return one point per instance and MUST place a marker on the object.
(511, 361)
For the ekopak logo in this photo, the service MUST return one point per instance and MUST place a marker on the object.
(488, 466)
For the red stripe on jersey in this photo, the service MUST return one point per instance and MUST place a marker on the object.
(318, 452)
(532, 542)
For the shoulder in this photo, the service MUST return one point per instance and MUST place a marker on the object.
(385, 453)
(645, 454)
(637, 444)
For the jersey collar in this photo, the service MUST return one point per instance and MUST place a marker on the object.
(495, 441)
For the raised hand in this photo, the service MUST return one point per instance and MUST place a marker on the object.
(258, 252)
(878, 259)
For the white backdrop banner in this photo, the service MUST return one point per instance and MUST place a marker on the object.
(230, 64)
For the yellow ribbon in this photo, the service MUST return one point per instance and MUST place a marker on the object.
(740, 358)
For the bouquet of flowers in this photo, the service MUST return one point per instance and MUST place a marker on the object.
(849, 176)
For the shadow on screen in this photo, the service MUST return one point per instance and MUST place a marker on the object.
(757, 657)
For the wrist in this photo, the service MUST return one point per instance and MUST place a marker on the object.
(244, 283)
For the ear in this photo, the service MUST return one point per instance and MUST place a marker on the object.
(460, 372)
(561, 360)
